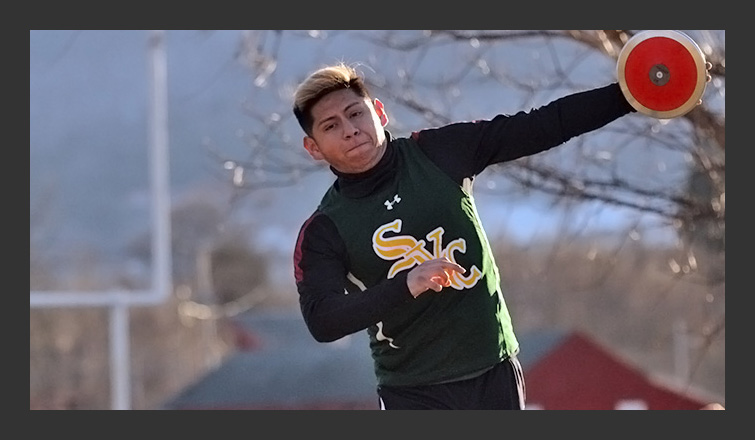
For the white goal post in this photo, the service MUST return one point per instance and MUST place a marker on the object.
(119, 301)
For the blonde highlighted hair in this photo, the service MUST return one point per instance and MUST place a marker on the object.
(321, 82)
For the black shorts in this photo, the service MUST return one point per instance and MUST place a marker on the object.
(501, 387)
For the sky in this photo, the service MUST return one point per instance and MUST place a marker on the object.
(89, 181)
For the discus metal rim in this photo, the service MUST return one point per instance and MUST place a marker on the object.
(692, 48)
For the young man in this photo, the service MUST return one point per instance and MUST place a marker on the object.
(396, 245)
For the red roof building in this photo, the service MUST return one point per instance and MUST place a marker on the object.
(574, 372)
(279, 365)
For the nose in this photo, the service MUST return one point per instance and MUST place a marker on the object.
(349, 129)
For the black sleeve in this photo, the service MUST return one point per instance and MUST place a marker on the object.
(320, 269)
(464, 149)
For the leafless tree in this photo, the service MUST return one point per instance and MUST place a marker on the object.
(435, 77)
(666, 175)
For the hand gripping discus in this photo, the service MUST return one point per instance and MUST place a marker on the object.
(662, 73)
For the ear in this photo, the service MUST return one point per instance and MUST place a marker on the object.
(312, 148)
(380, 110)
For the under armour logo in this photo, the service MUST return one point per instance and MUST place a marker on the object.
(389, 204)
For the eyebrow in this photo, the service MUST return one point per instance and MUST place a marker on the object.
(345, 109)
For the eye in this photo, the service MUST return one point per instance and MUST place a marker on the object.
(356, 114)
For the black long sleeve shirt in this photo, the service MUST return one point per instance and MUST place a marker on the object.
(462, 150)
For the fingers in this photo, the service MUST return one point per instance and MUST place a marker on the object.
(708, 66)
(441, 280)
(432, 275)
(708, 78)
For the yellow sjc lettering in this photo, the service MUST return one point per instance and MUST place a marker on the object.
(410, 252)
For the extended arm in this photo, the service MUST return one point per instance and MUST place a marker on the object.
(464, 149)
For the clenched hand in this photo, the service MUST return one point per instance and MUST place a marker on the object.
(433, 274)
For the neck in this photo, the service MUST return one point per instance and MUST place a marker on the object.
(364, 183)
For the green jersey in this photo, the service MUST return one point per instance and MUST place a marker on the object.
(353, 254)
(418, 215)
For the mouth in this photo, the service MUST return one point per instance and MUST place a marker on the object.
(357, 146)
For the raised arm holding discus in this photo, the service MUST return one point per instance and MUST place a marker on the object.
(396, 246)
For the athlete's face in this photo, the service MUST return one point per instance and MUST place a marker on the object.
(347, 131)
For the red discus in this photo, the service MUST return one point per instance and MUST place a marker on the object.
(662, 73)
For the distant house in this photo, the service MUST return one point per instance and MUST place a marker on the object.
(572, 371)
(280, 366)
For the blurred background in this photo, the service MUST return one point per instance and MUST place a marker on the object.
(618, 234)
